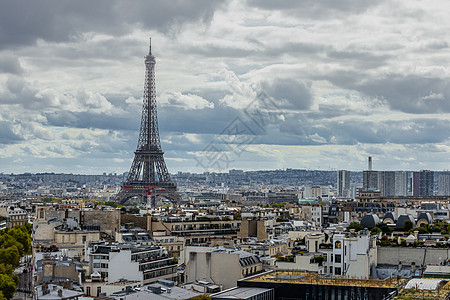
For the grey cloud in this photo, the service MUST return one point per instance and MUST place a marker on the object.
(162, 14)
(437, 45)
(91, 120)
(22, 22)
(298, 129)
(316, 8)
(205, 121)
(9, 63)
(289, 93)
(212, 50)
(18, 92)
(7, 135)
(410, 93)
(256, 48)
(56, 149)
(362, 60)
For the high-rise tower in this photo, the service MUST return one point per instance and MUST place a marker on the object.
(148, 176)
(343, 183)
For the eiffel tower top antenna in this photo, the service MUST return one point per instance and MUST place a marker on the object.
(150, 48)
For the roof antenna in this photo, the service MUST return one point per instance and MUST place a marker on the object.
(150, 50)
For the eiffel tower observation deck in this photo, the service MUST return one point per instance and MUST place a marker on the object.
(148, 178)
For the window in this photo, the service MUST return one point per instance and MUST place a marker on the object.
(338, 245)
(337, 271)
(99, 290)
(84, 239)
(88, 291)
(337, 258)
(96, 265)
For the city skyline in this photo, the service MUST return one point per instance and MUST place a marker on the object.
(346, 81)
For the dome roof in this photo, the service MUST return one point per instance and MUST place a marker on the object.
(425, 216)
(403, 218)
(390, 215)
(370, 220)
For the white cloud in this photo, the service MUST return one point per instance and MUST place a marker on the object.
(373, 78)
(186, 101)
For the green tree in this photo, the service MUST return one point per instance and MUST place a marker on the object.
(2, 297)
(7, 286)
(375, 230)
(355, 225)
(10, 256)
(384, 227)
(385, 241)
(9, 270)
(421, 230)
(6, 269)
(201, 297)
(7, 241)
(20, 234)
(408, 225)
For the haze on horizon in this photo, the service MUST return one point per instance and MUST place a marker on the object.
(349, 79)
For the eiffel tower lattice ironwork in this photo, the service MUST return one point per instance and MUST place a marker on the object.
(148, 176)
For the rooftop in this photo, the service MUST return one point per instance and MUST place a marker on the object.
(240, 293)
(309, 278)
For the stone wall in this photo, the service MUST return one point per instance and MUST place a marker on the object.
(138, 221)
(108, 220)
(406, 255)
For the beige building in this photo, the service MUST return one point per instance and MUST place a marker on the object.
(16, 216)
(198, 232)
(63, 234)
(219, 265)
(75, 240)
(253, 228)
(173, 244)
(267, 248)
(108, 220)
(52, 269)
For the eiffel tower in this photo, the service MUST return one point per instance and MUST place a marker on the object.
(148, 177)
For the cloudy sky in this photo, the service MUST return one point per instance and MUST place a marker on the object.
(241, 84)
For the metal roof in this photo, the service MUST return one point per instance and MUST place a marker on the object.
(424, 284)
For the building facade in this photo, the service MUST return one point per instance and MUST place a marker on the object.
(343, 183)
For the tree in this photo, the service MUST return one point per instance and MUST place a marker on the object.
(7, 241)
(10, 256)
(375, 230)
(384, 227)
(19, 233)
(201, 297)
(407, 225)
(7, 286)
(355, 225)
(385, 241)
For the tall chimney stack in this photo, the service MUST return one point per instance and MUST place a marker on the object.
(370, 163)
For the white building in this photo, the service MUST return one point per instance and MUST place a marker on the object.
(349, 254)
(143, 263)
(352, 255)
